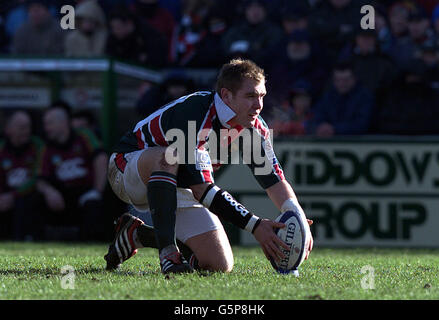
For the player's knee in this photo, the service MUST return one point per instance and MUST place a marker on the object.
(218, 264)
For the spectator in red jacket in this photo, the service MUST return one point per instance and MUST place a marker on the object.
(72, 178)
(19, 154)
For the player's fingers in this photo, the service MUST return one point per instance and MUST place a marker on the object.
(272, 253)
(310, 222)
(280, 243)
(275, 248)
(278, 225)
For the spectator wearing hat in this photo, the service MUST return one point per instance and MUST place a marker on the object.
(345, 107)
(255, 36)
(374, 70)
(410, 106)
(40, 35)
(90, 36)
(297, 59)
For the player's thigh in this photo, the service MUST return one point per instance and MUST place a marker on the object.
(202, 231)
(140, 165)
(154, 159)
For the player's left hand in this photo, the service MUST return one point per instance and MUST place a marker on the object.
(270, 243)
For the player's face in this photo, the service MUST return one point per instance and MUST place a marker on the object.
(247, 102)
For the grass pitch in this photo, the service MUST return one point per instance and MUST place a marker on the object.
(34, 271)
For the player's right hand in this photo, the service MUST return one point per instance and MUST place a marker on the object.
(270, 243)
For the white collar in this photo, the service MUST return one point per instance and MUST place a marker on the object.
(224, 112)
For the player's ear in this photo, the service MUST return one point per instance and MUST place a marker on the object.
(226, 95)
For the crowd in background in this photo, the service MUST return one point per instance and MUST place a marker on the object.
(326, 76)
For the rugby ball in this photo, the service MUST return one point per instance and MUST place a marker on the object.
(296, 235)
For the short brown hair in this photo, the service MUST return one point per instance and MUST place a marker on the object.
(233, 73)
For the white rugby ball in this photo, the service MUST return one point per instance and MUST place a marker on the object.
(297, 236)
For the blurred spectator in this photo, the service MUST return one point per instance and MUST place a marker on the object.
(16, 15)
(90, 36)
(420, 30)
(40, 35)
(295, 60)
(430, 58)
(255, 36)
(345, 108)
(435, 19)
(374, 70)
(72, 178)
(334, 23)
(175, 85)
(152, 13)
(85, 119)
(4, 38)
(128, 41)
(290, 117)
(19, 154)
(408, 30)
(293, 19)
(410, 106)
(208, 52)
(189, 31)
(382, 27)
(428, 5)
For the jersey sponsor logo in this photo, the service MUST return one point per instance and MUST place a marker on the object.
(202, 160)
(71, 169)
(239, 207)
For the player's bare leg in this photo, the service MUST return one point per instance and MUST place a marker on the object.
(212, 251)
(159, 177)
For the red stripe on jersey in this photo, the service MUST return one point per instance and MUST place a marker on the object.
(207, 176)
(279, 171)
(121, 162)
(206, 126)
(140, 142)
(156, 131)
(261, 128)
(266, 134)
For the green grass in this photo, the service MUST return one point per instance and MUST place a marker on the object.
(33, 271)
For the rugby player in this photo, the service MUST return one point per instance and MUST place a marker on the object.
(182, 197)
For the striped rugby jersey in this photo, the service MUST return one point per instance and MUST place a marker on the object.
(202, 119)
